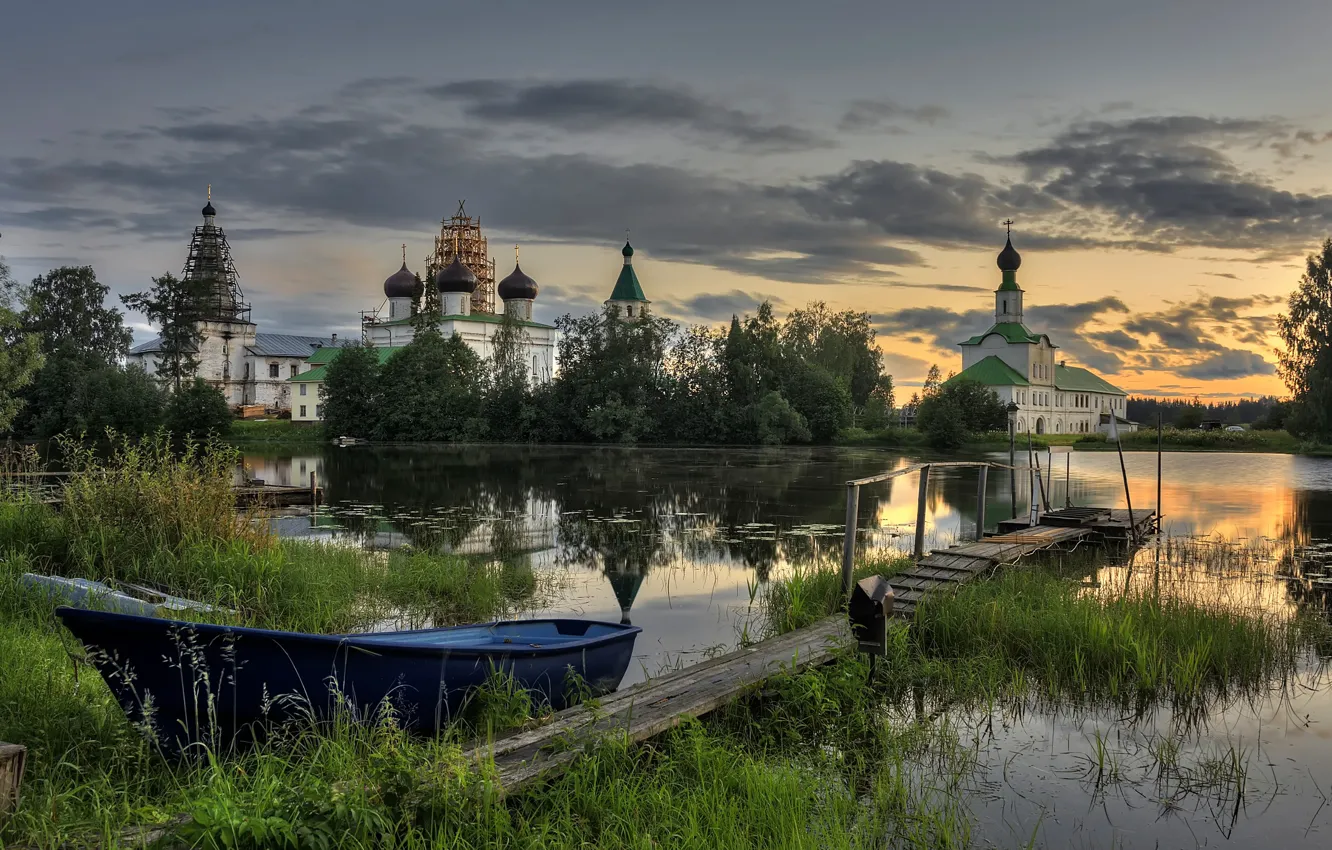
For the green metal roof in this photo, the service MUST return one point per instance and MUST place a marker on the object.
(1010, 283)
(626, 286)
(992, 372)
(1011, 331)
(489, 318)
(317, 373)
(1075, 379)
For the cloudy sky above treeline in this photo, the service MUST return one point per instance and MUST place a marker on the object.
(1166, 163)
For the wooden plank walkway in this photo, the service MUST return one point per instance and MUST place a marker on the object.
(956, 565)
(652, 707)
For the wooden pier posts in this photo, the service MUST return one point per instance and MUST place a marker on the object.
(849, 540)
(919, 549)
(982, 479)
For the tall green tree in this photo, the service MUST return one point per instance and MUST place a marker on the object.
(508, 406)
(67, 307)
(82, 386)
(842, 344)
(698, 408)
(612, 381)
(960, 407)
(431, 390)
(176, 307)
(350, 392)
(20, 355)
(1306, 363)
(198, 411)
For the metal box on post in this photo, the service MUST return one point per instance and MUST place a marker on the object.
(869, 609)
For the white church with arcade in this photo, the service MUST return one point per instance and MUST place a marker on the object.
(1024, 369)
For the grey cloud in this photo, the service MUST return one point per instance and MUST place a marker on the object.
(1117, 339)
(590, 106)
(1228, 363)
(1169, 180)
(873, 114)
(1223, 274)
(1192, 328)
(716, 307)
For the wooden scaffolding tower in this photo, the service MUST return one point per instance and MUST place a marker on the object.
(463, 231)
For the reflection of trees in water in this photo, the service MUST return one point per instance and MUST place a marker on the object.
(687, 504)
(1305, 541)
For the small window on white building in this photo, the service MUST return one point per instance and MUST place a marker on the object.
(295, 369)
(302, 411)
(319, 410)
(273, 370)
(303, 386)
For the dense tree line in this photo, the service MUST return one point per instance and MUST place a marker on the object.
(646, 379)
(1264, 412)
(62, 368)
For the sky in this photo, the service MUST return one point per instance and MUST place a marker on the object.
(1166, 164)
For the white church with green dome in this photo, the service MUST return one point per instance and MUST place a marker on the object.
(1024, 368)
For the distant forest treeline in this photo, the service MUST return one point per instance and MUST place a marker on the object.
(1264, 412)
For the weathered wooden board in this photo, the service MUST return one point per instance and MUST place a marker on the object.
(654, 706)
(12, 757)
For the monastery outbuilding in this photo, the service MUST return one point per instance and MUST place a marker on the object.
(248, 367)
(1024, 368)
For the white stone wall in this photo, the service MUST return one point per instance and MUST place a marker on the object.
(541, 342)
(1064, 413)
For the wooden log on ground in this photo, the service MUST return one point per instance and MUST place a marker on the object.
(12, 757)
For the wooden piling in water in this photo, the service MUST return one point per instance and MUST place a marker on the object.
(920, 511)
(849, 540)
(982, 478)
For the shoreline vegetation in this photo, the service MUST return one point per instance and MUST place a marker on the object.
(818, 758)
(277, 433)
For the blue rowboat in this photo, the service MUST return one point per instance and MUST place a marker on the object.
(193, 682)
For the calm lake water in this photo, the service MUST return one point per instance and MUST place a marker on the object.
(676, 541)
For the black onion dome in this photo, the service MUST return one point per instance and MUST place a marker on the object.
(627, 250)
(517, 285)
(208, 210)
(455, 277)
(1009, 259)
(400, 284)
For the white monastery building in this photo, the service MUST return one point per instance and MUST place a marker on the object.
(248, 367)
(456, 286)
(1024, 368)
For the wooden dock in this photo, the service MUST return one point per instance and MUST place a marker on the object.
(649, 708)
(956, 565)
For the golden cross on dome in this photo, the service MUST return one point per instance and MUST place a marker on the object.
(515, 255)
(210, 191)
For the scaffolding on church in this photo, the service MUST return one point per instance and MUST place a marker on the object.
(209, 261)
(463, 231)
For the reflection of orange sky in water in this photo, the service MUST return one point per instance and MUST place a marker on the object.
(1231, 495)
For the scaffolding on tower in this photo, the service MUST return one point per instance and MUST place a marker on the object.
(465, 232)
(209, 261)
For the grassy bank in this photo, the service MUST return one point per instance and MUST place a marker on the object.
(816, 760)
(1172, 440)
(274, 432)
